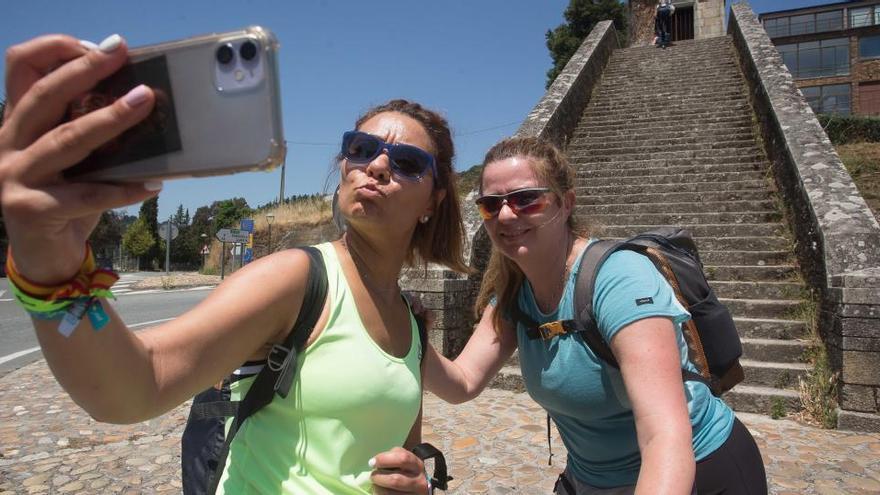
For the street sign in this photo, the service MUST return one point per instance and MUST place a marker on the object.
(233, 235)
(248, 255)
(247, 224)
(205, 249)
(163, 231)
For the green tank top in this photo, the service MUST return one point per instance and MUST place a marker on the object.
(350, 400)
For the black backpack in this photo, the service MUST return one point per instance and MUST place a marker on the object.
(204, 444)
(714, 345)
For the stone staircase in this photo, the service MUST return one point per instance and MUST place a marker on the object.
(668, 140)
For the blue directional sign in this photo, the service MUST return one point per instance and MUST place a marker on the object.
(247, 224)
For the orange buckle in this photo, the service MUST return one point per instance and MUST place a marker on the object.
(550, 330)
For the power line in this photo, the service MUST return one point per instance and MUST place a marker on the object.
(456, 134)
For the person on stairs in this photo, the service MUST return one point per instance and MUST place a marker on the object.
(663, 23)
(356, 398)
(636, 429)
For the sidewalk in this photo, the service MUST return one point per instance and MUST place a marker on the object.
(496, 444)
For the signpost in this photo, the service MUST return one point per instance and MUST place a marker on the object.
(168, 232)
(235, 236)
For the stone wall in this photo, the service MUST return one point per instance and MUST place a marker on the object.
(708, 18)
(837, 237)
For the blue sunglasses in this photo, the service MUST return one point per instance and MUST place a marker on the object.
(407, 161)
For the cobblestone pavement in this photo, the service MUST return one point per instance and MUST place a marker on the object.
(496, 445)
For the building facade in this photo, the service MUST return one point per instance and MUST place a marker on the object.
(833, 52)
(693, 19)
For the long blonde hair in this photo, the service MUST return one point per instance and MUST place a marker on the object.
(503, 277)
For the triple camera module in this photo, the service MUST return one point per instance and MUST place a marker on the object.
(238, 65)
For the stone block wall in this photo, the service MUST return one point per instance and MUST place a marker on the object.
(708, 18)
(837, 236)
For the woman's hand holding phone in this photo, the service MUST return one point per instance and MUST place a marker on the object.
(47, 218)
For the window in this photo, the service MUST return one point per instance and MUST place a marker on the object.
(829, 21)
(834, 98)
(869, 47)
(817, 58)
(861, 17)
(804, 24)
(776, 27)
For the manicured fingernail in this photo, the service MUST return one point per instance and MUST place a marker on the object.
(372, 462)
(136, 96)
(110, 43)
(153, 186)
(88, 45)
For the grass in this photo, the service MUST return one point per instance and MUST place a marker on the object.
(818, 389)
(862, 160)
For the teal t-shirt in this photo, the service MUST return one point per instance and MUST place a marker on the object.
(586, 397)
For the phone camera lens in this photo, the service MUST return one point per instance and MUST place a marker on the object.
(225, 54)
(248, 50)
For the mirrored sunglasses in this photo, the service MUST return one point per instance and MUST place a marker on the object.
(522, 201)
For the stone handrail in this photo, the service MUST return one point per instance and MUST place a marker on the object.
(837, 236)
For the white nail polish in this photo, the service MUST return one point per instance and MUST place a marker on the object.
(88, 45)
(110, 43)
(372, 462)
(153, 185)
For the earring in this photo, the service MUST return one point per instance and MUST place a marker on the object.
(424, 219)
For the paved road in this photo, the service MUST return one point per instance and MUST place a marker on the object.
(18, 344)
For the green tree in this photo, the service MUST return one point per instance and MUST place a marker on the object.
(155, 256)
(581, 17)
(138, 240)
(107, 234)
(229, 212)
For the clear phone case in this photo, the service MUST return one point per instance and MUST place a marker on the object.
(218, 110)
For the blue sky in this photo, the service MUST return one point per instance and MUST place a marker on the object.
(482, 63)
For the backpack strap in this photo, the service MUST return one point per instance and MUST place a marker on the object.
(278, 374)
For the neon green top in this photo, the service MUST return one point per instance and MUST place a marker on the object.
(350, 400)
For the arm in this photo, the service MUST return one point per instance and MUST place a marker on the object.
(651, 367)
(483, 356)
(115, 374)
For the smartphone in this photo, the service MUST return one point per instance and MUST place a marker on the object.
(217, 110)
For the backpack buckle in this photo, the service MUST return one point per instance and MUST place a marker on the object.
(551, 330)
(278, 358)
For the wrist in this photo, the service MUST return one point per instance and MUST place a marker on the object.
(47, 269)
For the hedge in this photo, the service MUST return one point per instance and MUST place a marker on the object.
(842, 129)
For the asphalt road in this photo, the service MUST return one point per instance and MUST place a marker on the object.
(18, 344)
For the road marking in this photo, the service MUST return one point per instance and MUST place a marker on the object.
(143, 324)
(25, 352)
(18, 354)
(2, 292)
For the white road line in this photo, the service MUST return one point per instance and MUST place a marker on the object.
(25, 352)
(2, 292)
(18, 354)
(143, 324)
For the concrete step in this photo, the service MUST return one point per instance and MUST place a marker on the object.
(775, 375)
(684, 207)
(664, 113)
(648, 150)
(583, 188)
(747, 258)
(762, 400)
(749, 150)
(752, 273)
(735, 218)
(694, 169)
(715, 130)
(762, 243)
(766, 328)
(782, 309)
(672, 178)
(616, 121)
(734, 289)
(717, 230)
(584, 164)
(587, 197)
(775, 351)
(659, 139)
(682, 125)
(670, 104)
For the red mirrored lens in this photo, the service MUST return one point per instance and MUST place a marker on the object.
(524, 202)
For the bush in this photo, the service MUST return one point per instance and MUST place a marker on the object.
(843, 129)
